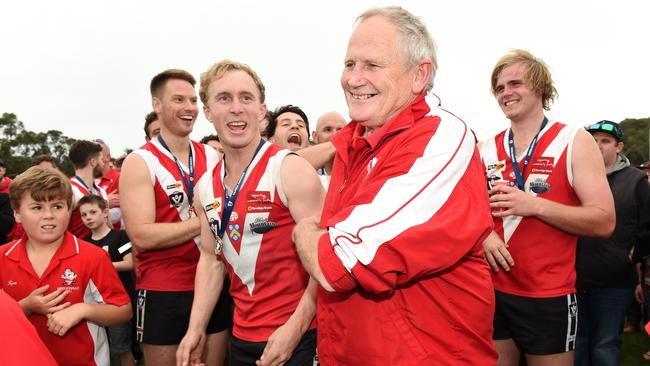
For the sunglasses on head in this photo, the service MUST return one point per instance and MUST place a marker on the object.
(604, 126)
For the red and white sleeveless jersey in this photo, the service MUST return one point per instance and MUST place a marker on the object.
(171, 269)
(544, 255)
(267, 278)
(79, 190)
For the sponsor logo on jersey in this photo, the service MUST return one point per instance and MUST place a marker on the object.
(214, 205)
(262, 225)
(497, 166)
(234, 232)
(259, 196)
(542, 165)
(176, 199)
(540, 186)
(176, 185)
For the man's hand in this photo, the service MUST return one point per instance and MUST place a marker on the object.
(113, 200)
(496, 253)
(638, 294)
(507, 201)
(304, 228)
(190, 349)
(280, 345)
(38, 303)
(61, 321)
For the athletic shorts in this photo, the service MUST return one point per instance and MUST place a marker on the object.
(244, 353)
(163, 317)
(119, 338)
(538, 326)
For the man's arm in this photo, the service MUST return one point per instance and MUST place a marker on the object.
(126, 264)
(318, 155)
(381, 236)
(139, 211)
(208, 284)
(595, 215)
(305, 196)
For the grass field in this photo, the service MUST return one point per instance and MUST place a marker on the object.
(634, 346)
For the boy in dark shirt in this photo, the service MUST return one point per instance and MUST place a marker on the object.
(94, 214)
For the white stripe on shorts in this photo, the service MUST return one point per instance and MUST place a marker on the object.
(572, 322)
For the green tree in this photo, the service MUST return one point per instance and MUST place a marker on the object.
(636, 132)
(18, 146)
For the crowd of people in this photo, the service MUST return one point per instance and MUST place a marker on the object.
(392, 239)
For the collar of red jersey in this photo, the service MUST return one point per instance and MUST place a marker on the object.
(404, 120)
(67, 249)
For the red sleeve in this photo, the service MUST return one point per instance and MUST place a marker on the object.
(425, 209)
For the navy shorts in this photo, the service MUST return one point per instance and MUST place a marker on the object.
(163, 317)
(538, 326)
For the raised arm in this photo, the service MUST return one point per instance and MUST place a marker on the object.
(593, 217)
(318, 155)
(139, 211)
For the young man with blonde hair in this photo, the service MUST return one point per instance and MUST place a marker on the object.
(547, 185)
(248, 205)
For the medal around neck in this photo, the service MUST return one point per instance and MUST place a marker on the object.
(218, 246)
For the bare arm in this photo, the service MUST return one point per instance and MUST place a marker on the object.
(125, 265)
(319, 155)
(595, 215)
(208, 284)
(305, 197)
(139, 210)
(62, 321)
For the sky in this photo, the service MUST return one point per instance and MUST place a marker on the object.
(84, 67)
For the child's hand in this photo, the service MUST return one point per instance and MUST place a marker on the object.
(63, 320)
(38, 303)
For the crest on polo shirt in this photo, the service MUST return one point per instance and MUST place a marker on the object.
(69, 277)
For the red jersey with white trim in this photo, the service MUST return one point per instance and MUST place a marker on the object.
(79, 190)
(267, 278)
(171, 269)
(544, 255)
(83, 269)
(406, 214)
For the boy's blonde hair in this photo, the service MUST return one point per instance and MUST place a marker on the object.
(218, 70)
(42, 185)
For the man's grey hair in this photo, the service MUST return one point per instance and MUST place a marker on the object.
(415, 40)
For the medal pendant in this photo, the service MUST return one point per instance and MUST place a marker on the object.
(218, 246)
